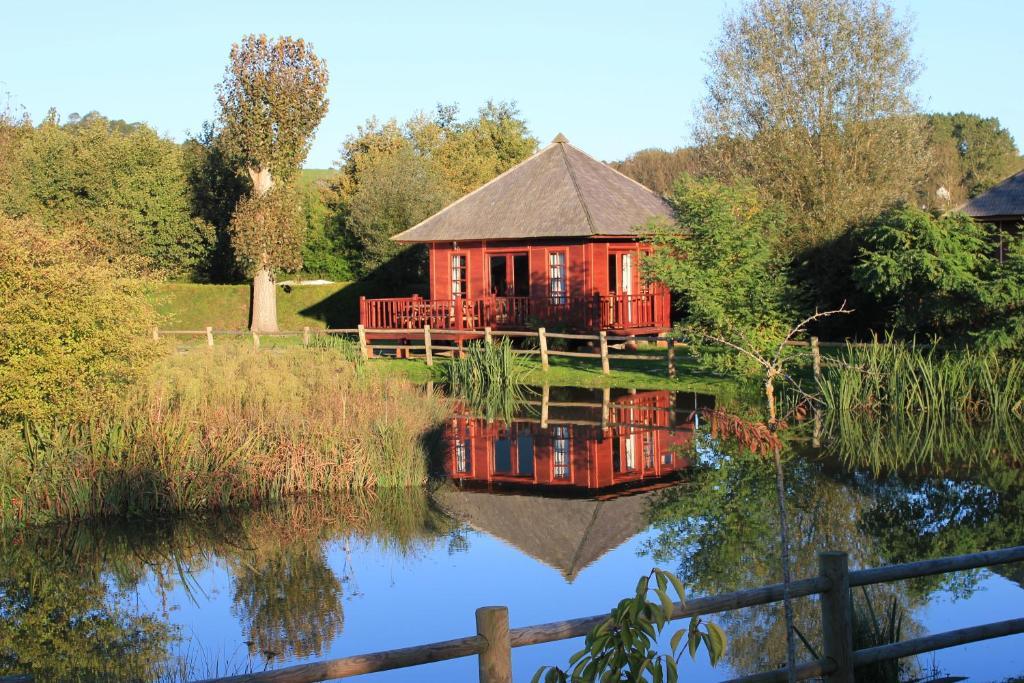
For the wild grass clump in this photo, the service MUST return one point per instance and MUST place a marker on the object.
(212, 429)
(904, 378)
(489, 377)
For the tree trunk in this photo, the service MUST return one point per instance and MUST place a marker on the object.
(264, 291)
(264, 302)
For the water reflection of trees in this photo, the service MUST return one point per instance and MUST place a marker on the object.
(722, 530)
(64, 612)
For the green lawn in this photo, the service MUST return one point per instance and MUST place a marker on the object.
(581, 372)
(308, 176)
(226, 307)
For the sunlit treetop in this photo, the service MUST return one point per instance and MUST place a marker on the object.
(272, 98)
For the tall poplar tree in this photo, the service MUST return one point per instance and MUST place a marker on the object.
(272, 98)
(812, 101)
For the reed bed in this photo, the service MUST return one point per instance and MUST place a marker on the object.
(490, 378)
(210, 430)
(905, 378)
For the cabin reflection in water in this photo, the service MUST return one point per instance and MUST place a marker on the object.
(573, 475)
(578, 443)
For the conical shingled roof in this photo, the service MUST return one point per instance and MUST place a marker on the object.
(558, 192)
(566, 534)
(1005, 200)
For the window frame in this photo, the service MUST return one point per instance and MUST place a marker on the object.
(459, 283)
(558, 297)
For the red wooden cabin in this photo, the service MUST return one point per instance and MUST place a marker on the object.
(638, 445)
(554, 241)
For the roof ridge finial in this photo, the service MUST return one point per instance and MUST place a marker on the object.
(560, 139)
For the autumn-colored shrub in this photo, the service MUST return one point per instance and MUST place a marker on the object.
(73, 324)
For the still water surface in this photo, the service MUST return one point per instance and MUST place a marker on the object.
(555, 514)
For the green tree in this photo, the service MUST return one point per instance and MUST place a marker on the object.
(723, 258)
(393, 176)
(324, 251)
(811, 101)
(75, 324)
(970, 154)
(272, 98)
(216, 186)
(123, 183)
(930, 274)
(658, 169)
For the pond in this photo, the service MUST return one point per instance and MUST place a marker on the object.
(555, 513)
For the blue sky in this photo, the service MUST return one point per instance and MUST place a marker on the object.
(615, 77)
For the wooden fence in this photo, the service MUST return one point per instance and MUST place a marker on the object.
(428, 343)
(494, 639)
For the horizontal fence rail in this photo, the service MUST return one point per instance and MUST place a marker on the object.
(398, 342)
(494, 639)
(428, 342)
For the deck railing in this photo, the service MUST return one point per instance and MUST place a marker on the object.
(494, 639)
(597, 312)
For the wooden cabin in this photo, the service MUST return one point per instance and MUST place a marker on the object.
(1002, 205)
(554, 241)
(634, 442)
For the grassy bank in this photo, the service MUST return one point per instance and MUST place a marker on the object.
(226, 307)
(214, 429)
(577, 372)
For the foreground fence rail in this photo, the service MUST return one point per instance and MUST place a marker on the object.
(494, 639)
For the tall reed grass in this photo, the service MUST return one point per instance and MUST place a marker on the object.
(490, 378)
(216, 428)
(891, 378)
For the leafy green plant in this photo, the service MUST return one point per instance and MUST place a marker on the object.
(489, 377)
(872, 630)
(723, 259)
(624, 646)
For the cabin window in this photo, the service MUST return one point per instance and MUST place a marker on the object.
(560, 446)
(503, 454)
(556, 277)
(458, 275)
(524, 454)
(463, 464)
(666, 458)
(648, 448)
(630, 449)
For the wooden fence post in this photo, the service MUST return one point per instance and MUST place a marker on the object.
(816, 357)
(496, 659)
(542, 336)
(255, 340)
(156, 334)
(305, 335)
(671, 358)
(487, 335)
(428, 350)
(605, 365)
(545, 405)
(606, 407)
(364, 350)
(836, 616)
(209, 336)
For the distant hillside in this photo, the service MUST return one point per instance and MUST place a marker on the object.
(311, 175)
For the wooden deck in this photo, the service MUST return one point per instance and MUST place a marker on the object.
(637, 313)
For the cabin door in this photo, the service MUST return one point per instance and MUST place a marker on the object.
(621, 281)
(510, 275)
